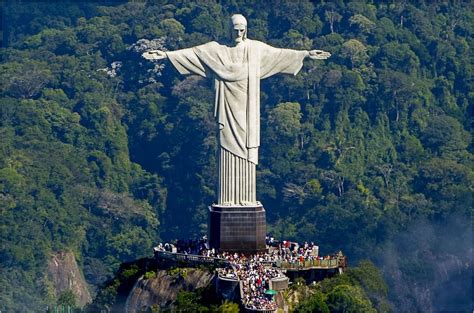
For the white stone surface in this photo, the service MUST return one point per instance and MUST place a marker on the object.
(237, 71)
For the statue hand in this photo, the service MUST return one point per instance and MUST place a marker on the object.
(319, 54)
(154, 55)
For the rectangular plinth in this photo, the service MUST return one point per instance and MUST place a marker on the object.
(237, 229)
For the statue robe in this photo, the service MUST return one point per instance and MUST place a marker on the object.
(237, 104)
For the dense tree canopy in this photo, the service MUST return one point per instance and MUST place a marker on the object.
(103, 153)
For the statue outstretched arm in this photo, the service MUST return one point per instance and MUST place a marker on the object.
(318, 54)
(184, 60)
(154, 55)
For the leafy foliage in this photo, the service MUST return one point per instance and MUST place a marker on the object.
(360, 289)
(67, 298)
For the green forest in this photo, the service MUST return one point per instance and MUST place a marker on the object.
(105, 154)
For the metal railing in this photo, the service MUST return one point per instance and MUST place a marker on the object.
(296, 265)
(308, 264)
(190, 258)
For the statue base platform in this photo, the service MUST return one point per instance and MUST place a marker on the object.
(237, 228)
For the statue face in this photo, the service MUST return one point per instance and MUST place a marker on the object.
(238, 33)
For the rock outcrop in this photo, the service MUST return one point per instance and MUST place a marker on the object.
(162, 290)
(65, 274)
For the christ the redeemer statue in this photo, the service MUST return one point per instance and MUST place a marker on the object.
(237, 71)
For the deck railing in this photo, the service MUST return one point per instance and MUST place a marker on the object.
(191, 258)
(308, 264)
(297, 265)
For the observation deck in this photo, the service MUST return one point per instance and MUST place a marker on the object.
(230, 287)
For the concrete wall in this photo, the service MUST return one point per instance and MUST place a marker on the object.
(228, 288)
(279, 284)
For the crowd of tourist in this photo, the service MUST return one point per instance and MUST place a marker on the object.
(255, 271)
(294, 253)
(255, 276)
(195, 246)
(277, 252)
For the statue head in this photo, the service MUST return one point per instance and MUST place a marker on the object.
(239, 28)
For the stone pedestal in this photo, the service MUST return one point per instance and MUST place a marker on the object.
(237, 228)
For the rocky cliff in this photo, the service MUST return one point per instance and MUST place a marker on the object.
(162, 290)
(65, 275)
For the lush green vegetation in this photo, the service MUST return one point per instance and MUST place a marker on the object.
(202, 301)
(361, 289)
(103, 153)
